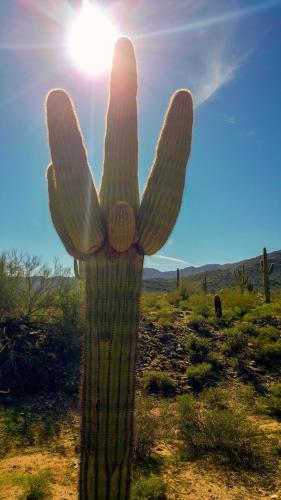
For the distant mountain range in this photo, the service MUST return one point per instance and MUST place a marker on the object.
(151, 273)
(218, 276)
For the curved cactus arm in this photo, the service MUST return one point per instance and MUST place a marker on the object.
(163, 192)
(79, 206)
(120, 170)
(54, 205)
(262, 265)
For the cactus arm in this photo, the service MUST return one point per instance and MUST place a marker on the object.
(271, 268)
(55, 211)
(79, 206)
(163, 192)
(120, 169)
(262, 265)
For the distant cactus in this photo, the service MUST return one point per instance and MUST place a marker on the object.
(266, 270)
(111, 234)
(205, 285)
(218, 306)
(250, 286)
(178, 279)
(241, 278)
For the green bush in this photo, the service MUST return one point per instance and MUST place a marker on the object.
(214, 397)
(198, 348)
(235, 340)
(150, 488)
(201, 304)
(267, 353)
(200, 374)
(268, 333)
(273, 401)
(160, 383)
(145, 430)
(36, 486)
(196, 321)
(224, 435)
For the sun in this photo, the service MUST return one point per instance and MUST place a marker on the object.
(91, 40)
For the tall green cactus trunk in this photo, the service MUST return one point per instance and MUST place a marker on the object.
(266, 270)
(110, 234)
(108, 379)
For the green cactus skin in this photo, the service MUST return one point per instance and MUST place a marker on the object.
(266, 269)
(205, 285)
(110, 234)
(178, 278)
(241, 278)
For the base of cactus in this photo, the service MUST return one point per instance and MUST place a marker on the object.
(108, 375)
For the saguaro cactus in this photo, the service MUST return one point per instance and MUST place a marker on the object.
(205, 285)
(266, 270)
(111, 234)
(178, 278)
(241, 278)
(218, 306)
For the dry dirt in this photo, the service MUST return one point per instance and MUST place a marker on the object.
(195, 481)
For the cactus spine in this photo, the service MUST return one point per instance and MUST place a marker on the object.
(241, 278)
(205, 285)
(178, 278)
(111, 233)
(266, 270)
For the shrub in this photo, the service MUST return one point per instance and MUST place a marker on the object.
(196, 321)
(273, 401)
(200, 374)
(201, 304)
(40, 360)
(224, 435)
(36, 486)
(160, 383)
(174, 298)
(149, 489)
(214, 397)
(184, 291)
(236, 304)
(145, 430)
(268, 333)
(267, 353)
(198, 348)
(236, 341)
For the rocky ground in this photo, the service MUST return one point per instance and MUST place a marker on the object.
(56, 447)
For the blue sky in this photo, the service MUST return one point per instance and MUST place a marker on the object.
(226, 51)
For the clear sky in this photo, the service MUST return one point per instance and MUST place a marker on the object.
(228, 52)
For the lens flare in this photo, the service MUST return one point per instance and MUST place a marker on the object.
(91, 40)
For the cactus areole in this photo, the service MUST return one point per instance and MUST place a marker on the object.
(111, 232)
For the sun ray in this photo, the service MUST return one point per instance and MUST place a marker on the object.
(212, 21)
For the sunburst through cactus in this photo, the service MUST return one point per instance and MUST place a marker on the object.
(111, 232)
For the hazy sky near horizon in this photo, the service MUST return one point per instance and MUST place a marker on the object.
(226, 52)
